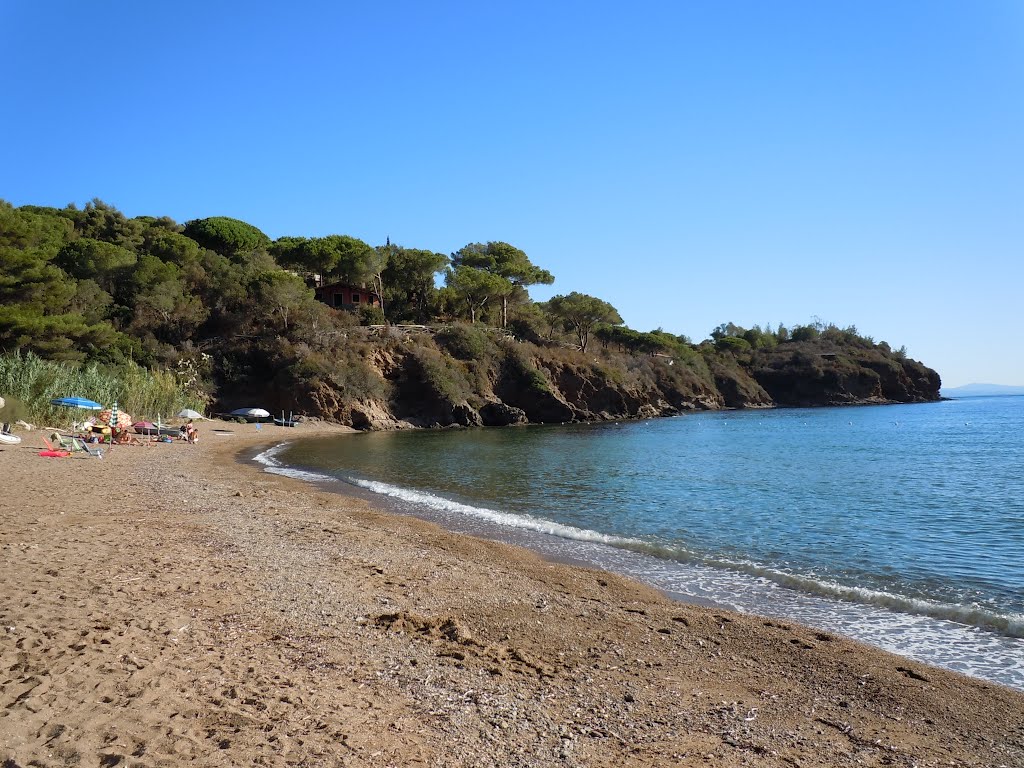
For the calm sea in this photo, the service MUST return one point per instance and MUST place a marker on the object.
(901, 526)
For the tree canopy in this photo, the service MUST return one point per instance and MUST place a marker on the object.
(505, 261)
(330, 258)
(582, 313)
(473, 288)
(225, 235)
(408, 279)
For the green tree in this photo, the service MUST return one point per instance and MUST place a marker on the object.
(100, 221)
(90, 301)
(162, 304)
(473, 287)
(28, 244)
(230, 237)
(287, 251)
(89, 259)
(732, 344)
(727, 329)
(409, 282)
(505, 261)
(281, 293)
(804, 333)
(171, 246)
(334, 257)
(582, 313)
(64, 336)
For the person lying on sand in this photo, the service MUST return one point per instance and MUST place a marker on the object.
(123, 437)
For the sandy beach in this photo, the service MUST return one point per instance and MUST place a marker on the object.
(169, 604)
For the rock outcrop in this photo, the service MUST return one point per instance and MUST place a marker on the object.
(806, 377)
(424, 384)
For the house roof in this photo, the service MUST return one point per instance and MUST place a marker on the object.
(350, 286)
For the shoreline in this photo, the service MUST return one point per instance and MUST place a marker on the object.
(494, 533)
(171, 603)
(926, 633)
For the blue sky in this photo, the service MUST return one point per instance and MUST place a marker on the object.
(691, 163)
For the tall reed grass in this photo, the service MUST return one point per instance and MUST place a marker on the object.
(137, 390)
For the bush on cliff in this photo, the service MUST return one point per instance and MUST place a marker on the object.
(466, 342)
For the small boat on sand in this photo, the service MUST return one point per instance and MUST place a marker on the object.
(6, 438)
(248, 414)
(283, 422)
(151, 429)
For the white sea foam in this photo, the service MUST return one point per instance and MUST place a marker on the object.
(1008, 624)
(275, 467)
(507, 519)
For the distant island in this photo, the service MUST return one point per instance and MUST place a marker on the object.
(981, 390)
(214, 314)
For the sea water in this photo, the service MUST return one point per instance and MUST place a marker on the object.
(900, 526)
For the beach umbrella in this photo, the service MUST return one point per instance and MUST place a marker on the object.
(254, 413)
(188, 413)
(77, 402)
(115, 418)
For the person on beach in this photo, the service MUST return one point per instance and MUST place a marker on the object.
(186, 431)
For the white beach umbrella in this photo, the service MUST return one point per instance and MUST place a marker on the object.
(256, 413)
(188, 413)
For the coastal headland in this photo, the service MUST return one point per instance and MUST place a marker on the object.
(168, 604)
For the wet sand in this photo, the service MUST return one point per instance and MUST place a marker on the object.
(167, 604)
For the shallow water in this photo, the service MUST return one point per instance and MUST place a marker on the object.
(902, 526)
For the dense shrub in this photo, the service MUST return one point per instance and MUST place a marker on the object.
(442, 374)
(732, 344)
(371, 315)
(518, 362)
(466, 342)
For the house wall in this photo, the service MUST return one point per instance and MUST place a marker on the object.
(346, 296)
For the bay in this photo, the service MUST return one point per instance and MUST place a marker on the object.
(902, 526)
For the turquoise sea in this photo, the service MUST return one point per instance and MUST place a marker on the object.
(901, 526)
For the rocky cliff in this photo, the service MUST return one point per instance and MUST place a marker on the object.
(803, 375)
(439, 382)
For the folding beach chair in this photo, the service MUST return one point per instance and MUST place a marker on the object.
(84, 446)
(64, 443)
(52, 452)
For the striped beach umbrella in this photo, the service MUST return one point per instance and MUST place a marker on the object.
(115, 418)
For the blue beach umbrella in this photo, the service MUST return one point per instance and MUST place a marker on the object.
(77, 402)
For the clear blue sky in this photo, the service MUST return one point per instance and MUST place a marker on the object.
(691, 163)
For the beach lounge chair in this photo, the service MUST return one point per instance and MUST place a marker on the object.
(65, 443)
(84, 446)
(52, 452)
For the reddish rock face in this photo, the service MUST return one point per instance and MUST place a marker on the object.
(415, 382)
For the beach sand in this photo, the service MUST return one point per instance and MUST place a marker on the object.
(167, 604)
